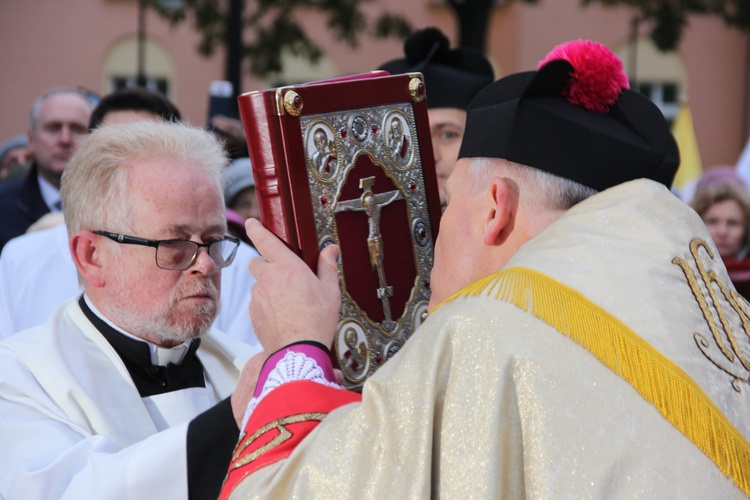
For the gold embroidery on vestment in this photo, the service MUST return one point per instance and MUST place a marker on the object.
(658, 379)
(283, 436)
(740, 372)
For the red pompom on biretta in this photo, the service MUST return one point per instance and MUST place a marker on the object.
(598, 77)
(575, 118)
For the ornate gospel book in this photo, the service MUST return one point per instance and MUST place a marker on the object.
(349, 161)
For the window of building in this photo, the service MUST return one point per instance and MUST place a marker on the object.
(660, 76)
(118, 82)
(665, 95)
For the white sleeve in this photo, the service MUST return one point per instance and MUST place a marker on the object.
(6, 324)
(44, 455)
(236, 285)
(37, 274)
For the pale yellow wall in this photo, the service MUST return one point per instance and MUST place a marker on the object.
(652, 65)
(122, 59)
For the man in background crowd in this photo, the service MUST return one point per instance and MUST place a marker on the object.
(58, 122)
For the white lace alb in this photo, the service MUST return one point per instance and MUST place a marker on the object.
(293, 366)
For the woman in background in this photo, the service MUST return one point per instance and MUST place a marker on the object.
(723, 202)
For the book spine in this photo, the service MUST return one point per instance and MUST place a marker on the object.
(265, 148)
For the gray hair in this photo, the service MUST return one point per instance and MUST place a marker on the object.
(94, 184)
(89, 97)
(552, 191)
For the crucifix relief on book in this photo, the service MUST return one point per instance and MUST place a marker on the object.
(371, 204)
(350, 162)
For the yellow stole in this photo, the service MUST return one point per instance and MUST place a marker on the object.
(661, 382)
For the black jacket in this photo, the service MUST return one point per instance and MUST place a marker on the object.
(21, 204)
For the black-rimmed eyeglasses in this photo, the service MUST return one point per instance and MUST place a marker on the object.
(179, 255)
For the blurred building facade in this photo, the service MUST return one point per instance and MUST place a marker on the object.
(94, 44)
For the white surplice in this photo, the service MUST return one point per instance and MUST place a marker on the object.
(72, 424)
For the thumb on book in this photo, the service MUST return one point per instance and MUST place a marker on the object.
(328, 265)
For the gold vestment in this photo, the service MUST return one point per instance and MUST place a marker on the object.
(493, 399)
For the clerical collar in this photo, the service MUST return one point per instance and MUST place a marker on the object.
(150, 379)
(160, 356)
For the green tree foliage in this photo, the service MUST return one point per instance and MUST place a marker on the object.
(668, 18)
(271, 27)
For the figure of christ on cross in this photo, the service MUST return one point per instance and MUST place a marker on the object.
(372, 204)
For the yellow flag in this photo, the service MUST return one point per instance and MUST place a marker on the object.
(690, 159)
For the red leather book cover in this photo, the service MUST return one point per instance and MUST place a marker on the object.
(349, 161)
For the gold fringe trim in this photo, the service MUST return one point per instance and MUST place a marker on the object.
(661, 382)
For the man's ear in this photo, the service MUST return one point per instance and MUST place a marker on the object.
(500, 212)
(85, 250)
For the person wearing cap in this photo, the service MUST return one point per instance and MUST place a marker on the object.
(239, 196)
(452, 77)
(584, 339)
(239, 189)
(58, 121)
(14, 158)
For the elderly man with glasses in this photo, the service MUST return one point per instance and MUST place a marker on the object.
(127, 391)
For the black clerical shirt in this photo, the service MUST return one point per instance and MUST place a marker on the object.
(150, 379)
(211, 435)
